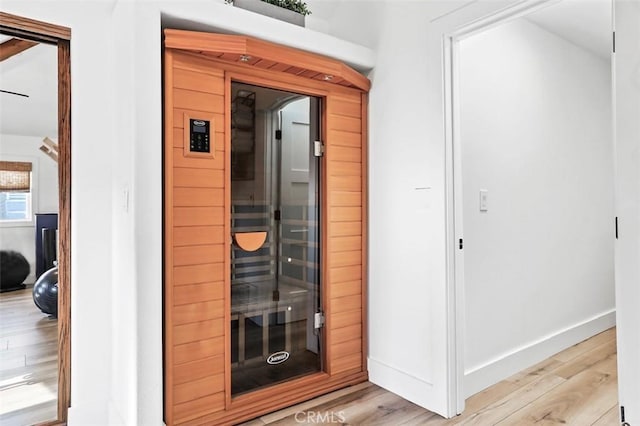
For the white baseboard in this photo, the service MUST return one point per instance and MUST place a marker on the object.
(481, 377)
(406, 385)
(115, 416)
(93, 414)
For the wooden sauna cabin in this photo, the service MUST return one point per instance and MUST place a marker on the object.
(265, 223)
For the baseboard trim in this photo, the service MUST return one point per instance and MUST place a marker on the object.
(115, 416)
(86, 414)
(402, 383)
(483, 376)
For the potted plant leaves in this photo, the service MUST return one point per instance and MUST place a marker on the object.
(292, 11)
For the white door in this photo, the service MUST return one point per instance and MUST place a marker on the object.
(626, 91)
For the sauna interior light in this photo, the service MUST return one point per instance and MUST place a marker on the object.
(328, 77)
(245, 58)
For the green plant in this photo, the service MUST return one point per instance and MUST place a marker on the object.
(297, 6)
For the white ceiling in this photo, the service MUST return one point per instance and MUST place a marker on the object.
(33, 72)
(586, 23)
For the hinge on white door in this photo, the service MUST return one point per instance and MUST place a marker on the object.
(614, 42)
(318, 148)
(318, 320)
(622, 417)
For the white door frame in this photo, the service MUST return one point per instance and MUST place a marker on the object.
(627, 203)
(453, 187)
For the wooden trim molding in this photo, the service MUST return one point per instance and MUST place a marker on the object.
(64, 268)
(168, 235)
(14, 46)
(38, 30)
(365, 224)
(54, 34)
(257, 53)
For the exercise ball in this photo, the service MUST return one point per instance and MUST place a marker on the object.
(45, 292)
(14, 268)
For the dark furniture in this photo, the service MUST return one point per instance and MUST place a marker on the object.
(46, 242)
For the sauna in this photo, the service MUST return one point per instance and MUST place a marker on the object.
(265, 224)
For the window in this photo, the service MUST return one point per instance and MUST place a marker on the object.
(15, 191)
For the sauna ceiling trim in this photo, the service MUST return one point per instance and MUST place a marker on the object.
(253, 52)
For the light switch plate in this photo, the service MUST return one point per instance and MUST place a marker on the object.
(484, 195)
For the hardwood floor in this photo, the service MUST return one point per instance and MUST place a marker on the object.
(28, 361)
(577, 386)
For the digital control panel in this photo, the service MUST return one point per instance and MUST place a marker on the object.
(199, 133)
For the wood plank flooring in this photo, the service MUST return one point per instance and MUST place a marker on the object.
(28, 361)
(577, 386)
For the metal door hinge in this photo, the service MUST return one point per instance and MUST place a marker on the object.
(279, 135)
(318, 320)
(616, 227)
(614, 42)
(318, 149)
(461, 243)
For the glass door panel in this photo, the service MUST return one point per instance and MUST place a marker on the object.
(275, 257)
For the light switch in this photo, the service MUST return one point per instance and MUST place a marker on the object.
(484, 195)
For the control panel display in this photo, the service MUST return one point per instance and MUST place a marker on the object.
(199, 131)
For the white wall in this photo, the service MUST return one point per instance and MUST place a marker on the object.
(337, 17)
(409, 321)
(91, 200)
(21, 237)
(535, 131)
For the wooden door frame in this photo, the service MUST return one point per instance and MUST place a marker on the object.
(46, 33)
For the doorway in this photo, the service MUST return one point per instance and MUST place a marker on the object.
(275, 259)
(24, 34)
(531, 178)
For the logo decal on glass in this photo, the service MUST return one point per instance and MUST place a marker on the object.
(278, 358)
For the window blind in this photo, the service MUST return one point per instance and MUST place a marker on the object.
(15, 176)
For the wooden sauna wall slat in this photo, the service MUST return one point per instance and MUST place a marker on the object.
(345, 210)
(197, 245)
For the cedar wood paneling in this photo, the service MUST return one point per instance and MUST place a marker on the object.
(344, 252)
(195, 248)
(195, 294)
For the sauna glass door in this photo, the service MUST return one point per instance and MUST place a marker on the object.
(275, 256)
